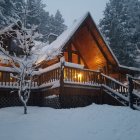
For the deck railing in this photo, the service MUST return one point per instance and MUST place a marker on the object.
(114, 85)
(81, 76)
(49, 76)
(74, 74)
(136, 85)
(71, 74)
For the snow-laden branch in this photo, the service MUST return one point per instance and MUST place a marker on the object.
(26, 63)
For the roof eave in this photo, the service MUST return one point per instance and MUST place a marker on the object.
(133, 69)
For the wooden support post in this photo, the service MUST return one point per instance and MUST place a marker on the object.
(130, 90)
(100, 77)
(101, 93)
(101, 89)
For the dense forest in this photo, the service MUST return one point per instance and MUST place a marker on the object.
(120, 24)
(121, 28)
(13, 10)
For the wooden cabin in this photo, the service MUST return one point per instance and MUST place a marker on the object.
(86, 71)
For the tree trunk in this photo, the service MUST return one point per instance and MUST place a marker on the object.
(25, 109)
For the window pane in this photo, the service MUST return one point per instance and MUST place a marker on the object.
(75, 58)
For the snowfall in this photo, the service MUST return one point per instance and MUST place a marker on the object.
(95, 122)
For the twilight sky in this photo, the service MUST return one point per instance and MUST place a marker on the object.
(73, 9)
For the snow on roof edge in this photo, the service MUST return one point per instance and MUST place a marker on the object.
(6, 69)
(76, 28)
(59, 43)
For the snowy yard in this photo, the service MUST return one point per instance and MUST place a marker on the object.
(94, 122)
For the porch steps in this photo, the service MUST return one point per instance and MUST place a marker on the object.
(117, 97)
(120, 92)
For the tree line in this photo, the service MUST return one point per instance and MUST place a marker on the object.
(121, 29)
(12, 10)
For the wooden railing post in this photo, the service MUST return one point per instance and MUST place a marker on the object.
(100, 78)
(130, 90)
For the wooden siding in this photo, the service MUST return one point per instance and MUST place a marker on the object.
(89, 50)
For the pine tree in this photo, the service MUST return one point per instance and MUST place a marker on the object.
(58, 23)
(11, 10)
(51, 24)
(7, 13)
(36, 8)
(120, 28)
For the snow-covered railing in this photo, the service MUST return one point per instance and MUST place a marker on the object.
(71, 73)
(81, 75)
(43, 76)
(6, 69)
(48, 69)
(49, 76)
(14, 85)
(34, 84)
(136, 85)
(127, 95)
(114, 85)
(8, 84)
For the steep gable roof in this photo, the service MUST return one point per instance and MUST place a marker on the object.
(67, 35)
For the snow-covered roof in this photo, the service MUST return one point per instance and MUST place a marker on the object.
(61, 41)
(3, 56)
(66, 35)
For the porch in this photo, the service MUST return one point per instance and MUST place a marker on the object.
(75, 86)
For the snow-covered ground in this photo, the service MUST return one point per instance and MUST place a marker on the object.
(94, 122)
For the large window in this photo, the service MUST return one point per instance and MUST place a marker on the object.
(72, 55)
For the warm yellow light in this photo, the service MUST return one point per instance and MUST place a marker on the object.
(65, 76)
(79, 77)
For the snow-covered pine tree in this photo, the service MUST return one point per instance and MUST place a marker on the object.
(8, 13)
(11, 10)
(51, 24)
(45, 25)
(120, 28)
(24, 61)
(36, 8)
(58, 23)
